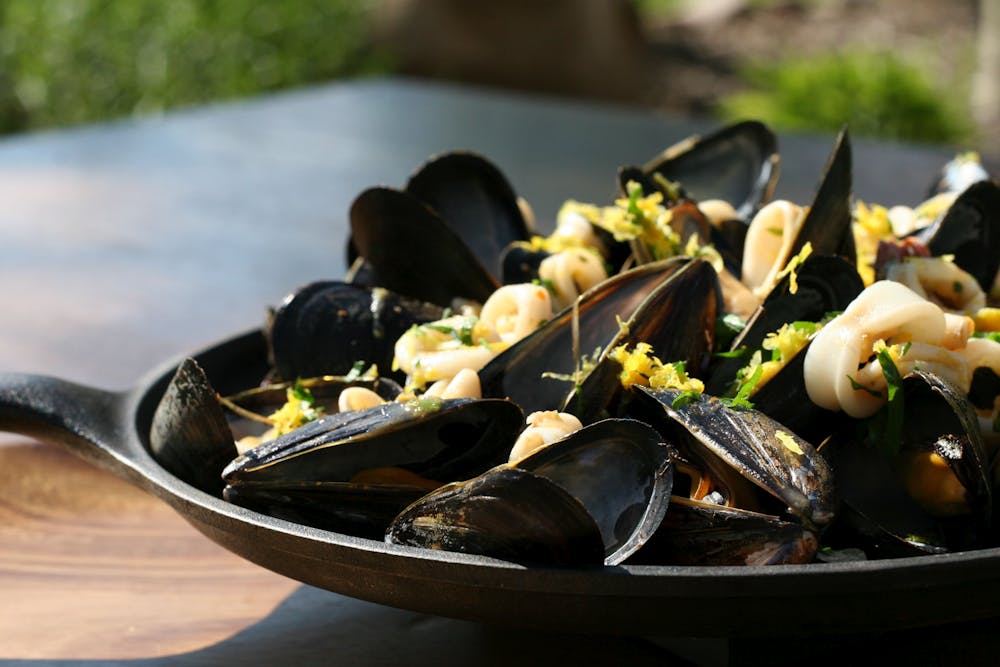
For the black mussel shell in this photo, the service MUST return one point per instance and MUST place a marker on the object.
(362, 510)
(519, 263)
(475, 199)
(738, 164)
(526, 371)
(939, 418)
(677, 320)
(827, 225)
(985, 388)
(970, 230)
(441, 440)
(757, 447)
(411, 250)
(700, 533)
(877, 513)
(890, 511)
(325, 328)
(189, 435)
(510, 514)
(325, 390)
(593, 497)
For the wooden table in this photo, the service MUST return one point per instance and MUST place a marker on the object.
(126, 244)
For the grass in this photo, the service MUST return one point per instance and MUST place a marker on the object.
(876, 94)
(73, 61)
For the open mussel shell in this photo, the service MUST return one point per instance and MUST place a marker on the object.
(475, 199)
(893, 509)
(701, 533)
(757, 447)
(189, 436)
(827, 225)
(970, 231)
(824, 284)
(440, 440)
(326, 327)
(411, 250)
(738, 164)
(526, 372)
(592, 498)
(677, 319)
(877, 514)
(939, 418)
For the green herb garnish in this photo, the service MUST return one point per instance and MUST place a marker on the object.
(743, 391)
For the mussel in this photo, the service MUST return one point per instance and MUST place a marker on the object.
(923, 489)
(440, 440)
(476, 200)
(742, 450)
(538, 372)
(327, 327)
(352, 472)
(591, 498)
(737, 164)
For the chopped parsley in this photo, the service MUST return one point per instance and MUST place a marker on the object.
(746, 387)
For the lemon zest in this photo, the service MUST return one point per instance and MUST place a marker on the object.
(789, 442)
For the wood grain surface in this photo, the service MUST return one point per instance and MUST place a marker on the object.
(93, 568)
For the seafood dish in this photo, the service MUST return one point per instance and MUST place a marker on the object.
(693, 374)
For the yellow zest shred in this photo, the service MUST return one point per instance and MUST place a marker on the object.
(895, 351)
(871, 225)
(641, 367)
(789, 442)
(707, 252)
(793, 264)
(788, 340)
(293, 414)
(643, 218)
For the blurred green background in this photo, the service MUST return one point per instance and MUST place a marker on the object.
(64, 62)
(73, 61)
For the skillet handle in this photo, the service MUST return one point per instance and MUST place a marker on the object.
(87, 421)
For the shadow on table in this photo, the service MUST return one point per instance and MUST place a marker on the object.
(314, 627)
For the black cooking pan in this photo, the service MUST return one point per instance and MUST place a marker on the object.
(112, 430)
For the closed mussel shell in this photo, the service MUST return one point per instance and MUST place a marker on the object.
(593, 497)
(760, 449)
(441, 440)
(189, 435)
(411, 250)
(701, 533)
(475, 199)
(326, 327)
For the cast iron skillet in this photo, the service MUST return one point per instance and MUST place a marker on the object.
(111, 430)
